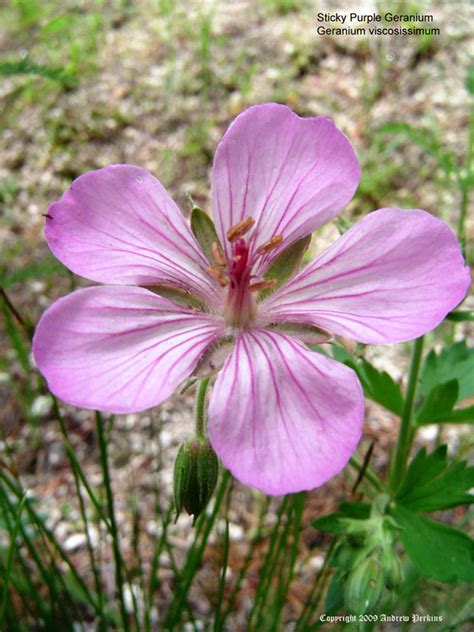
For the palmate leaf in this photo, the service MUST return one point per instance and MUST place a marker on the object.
(433, 483)
(438, 404)
(454, 363)
(378, 385)
(438, 551)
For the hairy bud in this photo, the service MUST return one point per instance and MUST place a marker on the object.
(364, 586)
(195, 476)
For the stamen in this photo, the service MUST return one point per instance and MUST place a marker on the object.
(262, 285)
(218, 275)
(240, 228)
(218, 255)
(269, 245)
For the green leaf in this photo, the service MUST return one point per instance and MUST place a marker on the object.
(433, 483)
(286, 264)
(458, 416)
(439, 402)
(204, 231)
(438, 551)
(460, 316)
(330, 523)
(455, 362)
(378, 385)
(337, 522)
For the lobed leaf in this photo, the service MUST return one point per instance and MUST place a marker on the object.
(378, 385)
(438, 551)
(433, 483)
(455, 362)
(439, 402)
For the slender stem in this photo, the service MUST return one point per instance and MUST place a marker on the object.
(200, 406)
(76, 466)
(265, 502)
(6, 579)
(369, 474)
(26, 326)
(113, 524)
(220, 596)
(192, 562)
(406, 436)
(315, 593)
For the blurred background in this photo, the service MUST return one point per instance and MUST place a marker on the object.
(86, 83)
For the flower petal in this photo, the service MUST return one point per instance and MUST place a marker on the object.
(119, 349)
(392, 277)
(290, 174)
(283, 418)
(119, 225)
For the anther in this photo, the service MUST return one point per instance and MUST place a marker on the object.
(240, 228)
(262, 285)
(218, 275)
(217, 254)
(271, 244)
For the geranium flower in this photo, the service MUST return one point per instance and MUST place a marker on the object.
(282, 418)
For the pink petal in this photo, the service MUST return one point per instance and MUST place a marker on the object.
(118, 225)
(282, 418)
(119, 349)
(392, 277)
(290, 174)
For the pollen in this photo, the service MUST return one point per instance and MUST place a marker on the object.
(269, 245)
(218, 255)
(262, 285)
(239, 229)
(218, 275)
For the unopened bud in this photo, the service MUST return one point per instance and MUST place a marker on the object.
(195, 476)
(395, 572)
(364, 586)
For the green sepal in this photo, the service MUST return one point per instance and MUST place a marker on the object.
(364, 586)
(204, 230)
(286, 265)
(177, 295)
(195, 476)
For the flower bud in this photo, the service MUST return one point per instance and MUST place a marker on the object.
(395, 572)
(195, 476)
(364, 586)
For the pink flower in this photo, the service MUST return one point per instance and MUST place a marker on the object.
(281, 417)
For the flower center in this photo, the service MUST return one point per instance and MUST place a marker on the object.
(240, 306)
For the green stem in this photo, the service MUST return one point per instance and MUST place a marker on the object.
(113, 524)
(193, 560)
(200, 406)
(406, 436)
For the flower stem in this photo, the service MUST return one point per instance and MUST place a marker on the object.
(406, 436)
(113, 524)
(200, 405)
